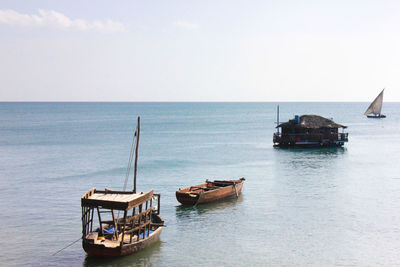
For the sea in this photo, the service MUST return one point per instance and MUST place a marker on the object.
(299, 207)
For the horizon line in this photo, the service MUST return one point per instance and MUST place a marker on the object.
(92, 101)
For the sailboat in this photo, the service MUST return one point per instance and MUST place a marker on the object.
(374, 110)
(140, 224)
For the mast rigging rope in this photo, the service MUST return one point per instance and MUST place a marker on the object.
(128, 170)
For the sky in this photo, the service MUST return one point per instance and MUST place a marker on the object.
(200, 50)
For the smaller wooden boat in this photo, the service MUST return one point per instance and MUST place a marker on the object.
(209, 191)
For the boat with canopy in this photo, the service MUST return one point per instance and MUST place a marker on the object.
(139, 225)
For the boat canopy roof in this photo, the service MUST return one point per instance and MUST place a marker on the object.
(119, 200)
(313, 122)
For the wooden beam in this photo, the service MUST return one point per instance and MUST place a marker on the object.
(115, 225)
(91, 221)
(123, 228)
(158, 204)
(139, 220)
(133, 218)
(101, 227)
(83, 222)
(131, 235)
(113, 191)
(138, 227)
(89, 193)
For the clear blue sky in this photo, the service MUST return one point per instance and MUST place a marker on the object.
(199, 50)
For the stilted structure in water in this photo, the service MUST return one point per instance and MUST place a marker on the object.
(309, 131)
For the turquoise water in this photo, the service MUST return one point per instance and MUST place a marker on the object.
(298, 207)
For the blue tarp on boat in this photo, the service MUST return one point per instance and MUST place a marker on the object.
(147, 233)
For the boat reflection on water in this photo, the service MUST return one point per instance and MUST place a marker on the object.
(143, 257)
(313, 150)
(290, 161)
(183, 211)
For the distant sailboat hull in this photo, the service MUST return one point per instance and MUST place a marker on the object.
(378, 116)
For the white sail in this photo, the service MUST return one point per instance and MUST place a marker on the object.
(376, 105)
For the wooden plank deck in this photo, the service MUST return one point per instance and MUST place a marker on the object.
(114, 197)
(115, 200)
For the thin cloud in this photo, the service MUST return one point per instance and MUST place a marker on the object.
(54, 19)
(186, 25)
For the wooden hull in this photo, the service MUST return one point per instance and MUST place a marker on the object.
(99, 250)
(209, 192)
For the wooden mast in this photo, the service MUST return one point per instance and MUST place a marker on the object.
(136, 153)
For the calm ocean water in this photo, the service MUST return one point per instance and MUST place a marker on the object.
(319, 207)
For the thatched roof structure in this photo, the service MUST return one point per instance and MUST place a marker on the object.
(312, 122)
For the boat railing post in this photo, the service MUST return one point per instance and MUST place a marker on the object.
(132, 225)
(146, 219)
(123, 229)
(139, 221)
(100, 222)
(83, 222)
(158, 204)
(115, 224)
(87, 216)
(91, 220)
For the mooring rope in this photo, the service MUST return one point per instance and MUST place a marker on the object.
(67, 246)
(133, 147)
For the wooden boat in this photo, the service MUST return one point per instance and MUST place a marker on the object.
(209, 191)
(139, 226)
(374, 110)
